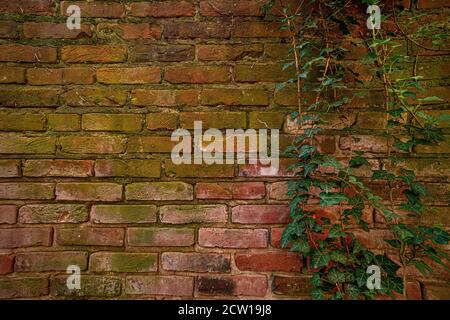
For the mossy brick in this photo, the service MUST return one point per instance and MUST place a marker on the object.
(49, 261)
(195, 262)
(9, 168)
(436, 215)
(123, 262)
(128, 168)
(93, 97)
(162, 53)
(164, 98)
(166, 9)
(129, 213)
(27, 53)
(135, 75)
(276, 51)
(53, 213)
(129, 31)
(222, 52)
(160, 237)
(245, 97)
(64, 122)
(199, 170)
(181, 214)
(12, 74)
(98, 144)
(99, 9)
(150, 144)
(25, 237)
(262, 73)
(217, 8)
(197, 74)
(22, 122)
(232, 238)
(94, 53)
(159, 191)
(375, 144)
(259, 29)
(29, 97)
(58, 168)
(8, 215)
(23, 287)
(159, 285)
(166, 120)
(87, 191)
(8, 30)
(91, 286)
(429, 168)
(197, 30)
(26, 190)
(230, 190)
(73, 75)
(111, 122)
(235, 285)
(217, 120)
(89, 236)
(266, 120)
(49, 30)
(442, 147)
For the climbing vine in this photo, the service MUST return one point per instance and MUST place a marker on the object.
(329, 196)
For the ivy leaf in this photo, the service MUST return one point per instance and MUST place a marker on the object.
(336, 232)
(330, 199)
(336, 276)
(424, 268)
(338, 256)
(317, 294)
(301, 246)
(358, 161)
(320, 259)
(316, 281)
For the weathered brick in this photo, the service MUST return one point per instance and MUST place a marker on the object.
(436, 291)
(94, 53)
(256, 29)
(151, 144)
(217, 120)
(34, 7)
(74, 75)
(123, 213)
(166, 120)
(166, 9)
(26, 53)
(197, 74)
(25, 237)
(258, 170)
(237, 285)
(26, 190)
(93, 97)
(216, 8)
(92, 144)
(376, 144)
(64, 122)
(162, 53)
(8, 214)
(197, 30)
(160, 237)
(12, 75)
(53, 213)
(278, 190)
(195, 262)
(205, 171)
(129, 75)
(250, 97)
(291, 286)
(9, 168)
(268, 261)
(110, 237)
(159, 191)
(28, 287)
(86, 191)
(220, 52)
(441, 147)
(232, 238)
(91, 286)
(12, 144)
(8, 30)
(29, 97)
(374, 239)
(227, 190)
(176, 214)
(276, 51)
(164, 98)
(49, 30)
(266, 120)
(423, 168)
(260, 214)
(160, 285)
(111, 122)
(97, 9)
(129, 31)
(123, 262)
(432, 4)
(6, 263)
(262, 73)
(58, 168)
(127, 168)
(49, 261)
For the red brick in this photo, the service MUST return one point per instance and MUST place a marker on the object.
(166, 9)
(164, 98)
(176, 214)
(85, 191)
(197, 30)
(28, 287)
(432, 4)
(157, 121)
(130, 31)
(93, 53)
(53, 213)
(195, 262)
(48, 30)
(436, 291)
(12, 75)
(259, 170)
(26, 190)
(268, 261)
(199, 170)
(26, 53)
(218, 52)
(49, 261)
(34, 7)
(275, 236)
(6, 263)
(123, 213)
(8, 30)
(127, 168)
(162, 53)
(278, 190)
(232, 238)
(25, 237)
(159, 285)
(9, 168)
(129, 75)
(216, 8)
(94, 97)
(76, 75)
(8, 214)
(228, 190)
(97, 9)
(374, 239)
(58, 168)
(363, 143)
(159, 191)
(219, 120)
(111, 237)
(237, 285)
(160, 237)
(260, 214)
(256, 29)
(197, 74)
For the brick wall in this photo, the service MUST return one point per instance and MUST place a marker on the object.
(85, 171)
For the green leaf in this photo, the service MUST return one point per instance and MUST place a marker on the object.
(336, 276)
(330, 199)
(317, 294)
(319, 259)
